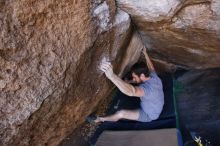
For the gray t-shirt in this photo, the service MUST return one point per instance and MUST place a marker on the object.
(153, 100)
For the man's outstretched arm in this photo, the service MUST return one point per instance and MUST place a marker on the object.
(149, 63)
(124, 87)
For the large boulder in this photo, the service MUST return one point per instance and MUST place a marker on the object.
(50, 53)
(182, 32)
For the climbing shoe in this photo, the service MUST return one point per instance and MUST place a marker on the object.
(91, 119)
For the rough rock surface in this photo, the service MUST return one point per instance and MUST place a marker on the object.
(50, 52)
(49, 57)
(132, 53)
(183, 32)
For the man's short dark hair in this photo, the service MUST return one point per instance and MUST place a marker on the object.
(140, 68)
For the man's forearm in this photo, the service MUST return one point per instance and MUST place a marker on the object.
(149, 63)
(124, 87)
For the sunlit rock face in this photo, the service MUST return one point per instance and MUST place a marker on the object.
(182, 32)
(50, 52)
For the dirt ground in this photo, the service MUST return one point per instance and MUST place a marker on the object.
(81, 136)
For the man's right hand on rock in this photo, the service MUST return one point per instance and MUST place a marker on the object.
(106, 67)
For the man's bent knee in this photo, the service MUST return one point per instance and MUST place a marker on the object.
(121, 114)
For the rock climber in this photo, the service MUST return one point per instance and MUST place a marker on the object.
(149, 90)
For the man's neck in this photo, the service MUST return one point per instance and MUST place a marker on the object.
(146, 79)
